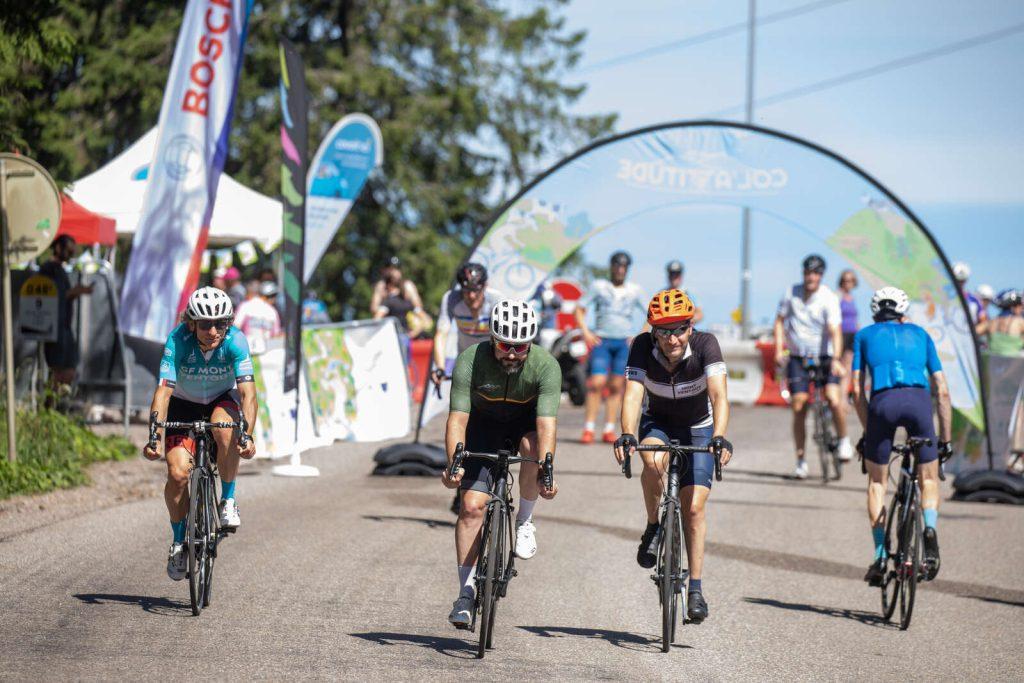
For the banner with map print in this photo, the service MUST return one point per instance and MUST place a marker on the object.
(353, 387)
(623, 182)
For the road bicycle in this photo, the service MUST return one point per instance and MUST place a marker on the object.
(904, 535)
(495, 566)
(669, 575)
(203, 532)
(824, 425)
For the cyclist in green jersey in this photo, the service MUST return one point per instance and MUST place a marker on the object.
(503, 390)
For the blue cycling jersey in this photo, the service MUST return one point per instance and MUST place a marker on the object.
(896, 354)
(201, 377)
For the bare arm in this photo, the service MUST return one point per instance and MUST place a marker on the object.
(376, 298)
(440, 343)
(247, 392)
(546, 432)
(837, 350)
(413, 295)
(941, 393)
(161, 397)
(629, 417)
(780, 339)
(860, 396)
(454, 434)
(718, 392)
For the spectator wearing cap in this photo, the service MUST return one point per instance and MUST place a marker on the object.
(258, 318)
(235, 288)
(962, 273)
(396, 297)
(987, 296)
(62, 355)
(675, 270)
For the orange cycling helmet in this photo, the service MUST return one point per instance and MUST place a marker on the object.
(669, 307)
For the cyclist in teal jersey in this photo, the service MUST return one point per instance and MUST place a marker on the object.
(206, 371)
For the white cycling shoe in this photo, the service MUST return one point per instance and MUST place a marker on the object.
(845, 450)
(229, 514)
(801, 469)
(461, 615)
(177, 562)
(526, 539)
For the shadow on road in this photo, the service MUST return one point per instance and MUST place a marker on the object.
(432, 523)
(451, 647)
(623, 639)
(162, 606)
(996, 601)
(778, 479)
(868, 618)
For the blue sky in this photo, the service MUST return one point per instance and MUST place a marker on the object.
(942, 132)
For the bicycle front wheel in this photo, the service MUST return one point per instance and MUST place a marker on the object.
(669, 572)
(911, 564)
(492, 561)
(196, 532)
(213, 537)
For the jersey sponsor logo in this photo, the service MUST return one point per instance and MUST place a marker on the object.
(488, 387)
(168, 352)
(168, 383)
(205, 370)
(245, 378)
(165, 366)
(191, 357)
(680, 390)
(635, 374)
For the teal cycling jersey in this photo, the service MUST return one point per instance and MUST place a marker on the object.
(201, 377)
(896, 354)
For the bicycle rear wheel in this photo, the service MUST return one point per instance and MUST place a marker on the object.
(891, 582)
(196, 533)
(668, 572)
(821, 436)
(831, 441)
(491, 560)
(911, 564)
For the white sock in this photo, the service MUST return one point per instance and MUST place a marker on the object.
(609, 427)
(589, 426)
(844, 442)
(525, 509)
(466, 583)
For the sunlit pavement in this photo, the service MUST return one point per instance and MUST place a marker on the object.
(352, 576)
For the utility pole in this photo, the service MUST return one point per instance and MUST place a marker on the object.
(745, 275)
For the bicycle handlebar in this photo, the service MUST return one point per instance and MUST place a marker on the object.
(673, 448)
(198, 425)
(547, 465)
(913, 445)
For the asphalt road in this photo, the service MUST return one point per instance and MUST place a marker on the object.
(349, 576)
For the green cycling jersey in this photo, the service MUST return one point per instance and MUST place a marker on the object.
(482, 386)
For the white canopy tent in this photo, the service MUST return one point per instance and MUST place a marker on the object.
(117, 190)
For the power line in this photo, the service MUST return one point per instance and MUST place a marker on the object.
(900, 63)
(708, 36)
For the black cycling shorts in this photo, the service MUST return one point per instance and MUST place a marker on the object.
(490, 436)
(180, 410)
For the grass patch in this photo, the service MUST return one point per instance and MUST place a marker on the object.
(54, 451)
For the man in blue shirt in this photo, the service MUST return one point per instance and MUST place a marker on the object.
(206, 371)
(900, 359)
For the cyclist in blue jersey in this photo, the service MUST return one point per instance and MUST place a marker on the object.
(206, 371)
(900, 360)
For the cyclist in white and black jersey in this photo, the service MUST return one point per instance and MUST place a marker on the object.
(467, 308)
(684, 377)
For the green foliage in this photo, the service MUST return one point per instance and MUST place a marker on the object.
(53, 452)
(469, 97)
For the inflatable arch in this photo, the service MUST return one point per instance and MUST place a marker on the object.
(619, 181)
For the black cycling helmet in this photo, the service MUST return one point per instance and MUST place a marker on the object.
(471, 276)
(393, 262)
(814, 264)
(673, 267)
(621, 258)
(1008, 298)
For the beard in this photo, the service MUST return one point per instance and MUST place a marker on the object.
(511, 367)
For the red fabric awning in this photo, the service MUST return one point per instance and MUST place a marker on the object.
(84, 225)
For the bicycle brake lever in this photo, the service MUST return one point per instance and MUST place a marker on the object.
(549, 472)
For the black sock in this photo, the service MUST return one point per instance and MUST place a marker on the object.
(651, 526)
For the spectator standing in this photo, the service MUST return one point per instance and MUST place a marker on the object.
(614, 302)
(394, 296)
(235, 288)
(675, 270)
(962, 273)
(314, 310)
(987, 296)
(1006, 331)
(258, 318)
(62, 355)
(848, 311)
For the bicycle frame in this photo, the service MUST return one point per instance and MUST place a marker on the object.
(827, 443)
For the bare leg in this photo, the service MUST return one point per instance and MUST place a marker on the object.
(179, 464)
(528, 487)
(616, 385)
(467, 529)
(692, 500)
(832, 395)
(655, 466)
(595, 388)
(799, 406)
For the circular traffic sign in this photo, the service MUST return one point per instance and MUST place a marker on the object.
(32, 203)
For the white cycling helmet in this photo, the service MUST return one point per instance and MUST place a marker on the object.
(209, 303)
(986, 292)
(513, 321)
(961, 271)
(892, 298)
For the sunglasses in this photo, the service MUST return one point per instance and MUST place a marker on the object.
(505, 347)
(665, 332)
(207, 325)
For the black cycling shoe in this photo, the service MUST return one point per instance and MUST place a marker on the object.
(697, 609)
(647, 553)
(931, 554)
(876, 573)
